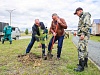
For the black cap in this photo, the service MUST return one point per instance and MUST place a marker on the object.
(79, 8)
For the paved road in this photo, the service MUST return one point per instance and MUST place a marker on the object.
(25, 37)
(93, 49)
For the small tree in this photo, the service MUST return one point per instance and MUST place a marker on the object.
(26, 31)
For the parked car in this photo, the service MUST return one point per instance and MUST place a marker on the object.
(15, 33)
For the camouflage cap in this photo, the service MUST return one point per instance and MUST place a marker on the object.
(79, 8)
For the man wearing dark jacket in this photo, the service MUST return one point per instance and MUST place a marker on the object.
(35, 33)
(57, 29)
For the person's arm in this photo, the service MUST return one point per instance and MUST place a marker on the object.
(86, 24)
(42, 25)
(62, 23)
(5, 28)
(11, 30)
(34, 33)
(51, 30)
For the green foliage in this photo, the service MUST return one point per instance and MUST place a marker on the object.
(26, 31)
(95, 38)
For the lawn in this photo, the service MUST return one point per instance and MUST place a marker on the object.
(95, 38)
(23, 34)
(9, 64)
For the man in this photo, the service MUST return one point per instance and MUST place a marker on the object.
(7, 34)
(36, 33)
(67, 35)
(57, 29)
(83, 33)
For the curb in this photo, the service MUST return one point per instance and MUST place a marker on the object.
(94, 63)
(90, 59)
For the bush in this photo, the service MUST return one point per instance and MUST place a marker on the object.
(26, 31)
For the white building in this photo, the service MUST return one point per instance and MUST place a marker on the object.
(95, 27)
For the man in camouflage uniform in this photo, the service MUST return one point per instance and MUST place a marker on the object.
(83, 33)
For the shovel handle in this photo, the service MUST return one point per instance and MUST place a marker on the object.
(54, 36)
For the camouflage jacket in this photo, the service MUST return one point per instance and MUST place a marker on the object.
(84, 23)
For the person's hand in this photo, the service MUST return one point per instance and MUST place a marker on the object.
(82, 37)
(58, 20)
(54, 34)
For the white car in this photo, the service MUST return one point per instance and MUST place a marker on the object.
(15, 33)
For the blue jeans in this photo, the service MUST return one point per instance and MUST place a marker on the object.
(60, 43)
(43, 49)
(30, 44)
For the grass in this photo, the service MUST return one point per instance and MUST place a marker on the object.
(95, 38)
(9, 65)
(23, 34)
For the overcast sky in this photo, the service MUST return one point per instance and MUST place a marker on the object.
(27, 10)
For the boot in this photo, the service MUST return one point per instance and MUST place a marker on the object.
(44, 56)
(49, 55)
(85, 63)
(80, 66)
(10, 42)
(58, 52)
(2, 41)
(79, 63)
(43, 53)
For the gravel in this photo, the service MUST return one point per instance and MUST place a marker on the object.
(93, 49)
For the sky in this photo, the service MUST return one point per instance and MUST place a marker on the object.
(26, 11)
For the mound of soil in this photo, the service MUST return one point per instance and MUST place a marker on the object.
(30, 58)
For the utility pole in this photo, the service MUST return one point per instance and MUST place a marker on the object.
(10, 11)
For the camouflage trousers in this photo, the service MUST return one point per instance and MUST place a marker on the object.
(82, 48)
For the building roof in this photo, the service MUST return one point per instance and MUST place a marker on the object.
(96, 21)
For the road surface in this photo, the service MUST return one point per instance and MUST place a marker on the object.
(93, 49)
(25, 37)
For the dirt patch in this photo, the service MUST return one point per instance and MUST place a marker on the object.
(2, 64)
(30, 58)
